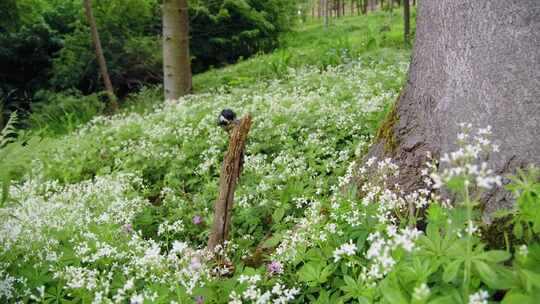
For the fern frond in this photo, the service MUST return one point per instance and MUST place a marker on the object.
(9, 130)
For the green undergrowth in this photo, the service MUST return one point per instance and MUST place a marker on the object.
(119, 210)
(378, 35)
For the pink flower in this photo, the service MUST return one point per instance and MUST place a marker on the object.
(195, 263)
(197, 220)
(127, 228)
(274, 267)
(199, 300)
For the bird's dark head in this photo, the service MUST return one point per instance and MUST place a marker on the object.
(226, 118)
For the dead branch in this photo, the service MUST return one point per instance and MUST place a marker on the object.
(230, 172)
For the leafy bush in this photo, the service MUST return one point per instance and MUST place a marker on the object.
(8, 130)
(45, 45)
(25, 61)
(222, 31)
(60, 113)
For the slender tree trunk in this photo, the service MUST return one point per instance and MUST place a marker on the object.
(326, 10)
(113, 103)
(475, 62)
(364, 6)
(176, 60)
(406, 21)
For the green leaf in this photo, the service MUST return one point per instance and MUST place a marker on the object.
(273, 241)
(495, 276)
(393, 294)
(518, 230)
(532, 277)
(443, 300)
(518, 298)
(495, 256)
(325, 273)
(485, 272)
(451, 270)
(316, 255)
(278, 215)
(502, 213)
(314, 273)
(350, 281)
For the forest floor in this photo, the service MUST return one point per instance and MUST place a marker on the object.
(100, 212)
(119, 210)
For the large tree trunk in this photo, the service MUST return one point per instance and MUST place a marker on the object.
(476, 62)
(99, 55)
(176, 61)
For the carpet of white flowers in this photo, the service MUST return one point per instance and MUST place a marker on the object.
(119, 212)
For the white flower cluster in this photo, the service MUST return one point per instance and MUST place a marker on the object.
(422, 292)
(389, 198)
(7, 285)
(480, 297)
(382, 246)
(170, 228)
(523, 251)
(98, 215)
(461, 163)
(347, 249)
(279, 294)
(305, 233)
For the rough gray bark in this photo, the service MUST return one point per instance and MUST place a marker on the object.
(99, 55)
(476, 62)
(176, 61)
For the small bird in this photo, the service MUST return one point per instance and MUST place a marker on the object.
(227, 119)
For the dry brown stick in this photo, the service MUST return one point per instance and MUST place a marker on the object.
(230, 172)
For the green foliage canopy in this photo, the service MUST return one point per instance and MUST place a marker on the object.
(46, 44)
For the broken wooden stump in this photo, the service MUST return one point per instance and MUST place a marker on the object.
(230, 172)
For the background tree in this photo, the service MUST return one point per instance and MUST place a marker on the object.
(406, 20)
(475, 62)
(99, 55)
(326, 12)
(176, 61)
(46, 57)
(364, 6)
